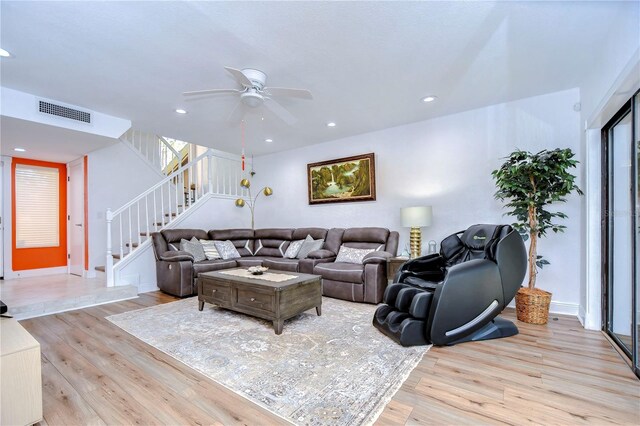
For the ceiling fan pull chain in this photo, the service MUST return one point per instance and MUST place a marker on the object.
(242, 141)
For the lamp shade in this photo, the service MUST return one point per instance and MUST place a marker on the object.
(416, 216)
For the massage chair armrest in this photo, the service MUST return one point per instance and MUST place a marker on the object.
(429, 262)
(321, 254)
(176, 256)
(470, 296)
(376, 257)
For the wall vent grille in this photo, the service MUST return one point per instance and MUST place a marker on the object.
(63, 111)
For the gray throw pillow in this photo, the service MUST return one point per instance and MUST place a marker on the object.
(352, 255)
(227, 250)
(293, 249)
(194, 248)
(308, 246)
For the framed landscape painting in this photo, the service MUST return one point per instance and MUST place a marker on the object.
(342, 180)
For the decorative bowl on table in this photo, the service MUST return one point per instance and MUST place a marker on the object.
(257, 270)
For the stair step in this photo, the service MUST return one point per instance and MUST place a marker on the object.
(144, 234)
(172, 214)
(134, 245)
(100, 268)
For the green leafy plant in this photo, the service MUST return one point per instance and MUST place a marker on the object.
(530, 183)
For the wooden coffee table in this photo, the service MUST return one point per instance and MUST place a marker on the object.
(273, 301)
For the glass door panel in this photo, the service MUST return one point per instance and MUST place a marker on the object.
(621, 233)
(636, 226)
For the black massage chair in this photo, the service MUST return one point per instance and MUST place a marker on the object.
(456, 295)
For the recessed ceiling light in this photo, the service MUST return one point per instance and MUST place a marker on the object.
(4, 53)
(19, 149)
(429, 98)
(268, 140)
(181, 111)
(331, 124)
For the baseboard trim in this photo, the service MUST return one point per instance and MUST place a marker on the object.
(560, 308)
(35, 272)
(147, 288)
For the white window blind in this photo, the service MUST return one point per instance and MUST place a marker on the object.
(37, 206)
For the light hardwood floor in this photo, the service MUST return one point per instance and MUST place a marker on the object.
(95, 373)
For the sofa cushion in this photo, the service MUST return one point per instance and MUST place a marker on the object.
(290, 265)
(334, 240)
(352, 255)
(175, 235)
(227, 250)
(250, 261)
(365, 238)
(316, 233)
(194, 248)
(242, 239)
(212, 265)
(270, 247)
(347, 272)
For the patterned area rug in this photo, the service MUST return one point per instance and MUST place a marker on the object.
(336, 369)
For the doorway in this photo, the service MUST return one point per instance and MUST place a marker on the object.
(76, 217)
(620, 232)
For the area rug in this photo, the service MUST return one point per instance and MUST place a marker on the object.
(336, 369)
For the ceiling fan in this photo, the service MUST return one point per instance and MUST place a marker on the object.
(254, 94)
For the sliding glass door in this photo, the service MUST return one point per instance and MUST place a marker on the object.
(621, 235)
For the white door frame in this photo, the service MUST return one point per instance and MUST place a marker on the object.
(72, 223)
(2, 219)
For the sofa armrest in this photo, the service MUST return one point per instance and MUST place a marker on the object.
(376, 257)
(321, 254)
(175, 256)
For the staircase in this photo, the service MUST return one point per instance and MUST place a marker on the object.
(212, 174)
(164, 155)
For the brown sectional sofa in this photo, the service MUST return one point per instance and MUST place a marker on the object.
(366, 282)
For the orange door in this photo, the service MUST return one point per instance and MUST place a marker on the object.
(49, 256)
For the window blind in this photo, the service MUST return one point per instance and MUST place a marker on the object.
(37, 206)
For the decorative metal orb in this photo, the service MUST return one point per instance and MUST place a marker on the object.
(245, 183)
(267, 191)
(239, 202)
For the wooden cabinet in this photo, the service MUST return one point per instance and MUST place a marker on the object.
(20, 375)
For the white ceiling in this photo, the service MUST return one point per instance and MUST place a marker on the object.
(368, 64)
(44, 142)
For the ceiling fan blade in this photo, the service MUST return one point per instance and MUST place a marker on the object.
(210, 92)
(240, 78)
(280, 111)
(237, 114)
(286, 91)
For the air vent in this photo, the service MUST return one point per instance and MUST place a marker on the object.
(63, 111)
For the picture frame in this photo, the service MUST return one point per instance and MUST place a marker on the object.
(342, 180)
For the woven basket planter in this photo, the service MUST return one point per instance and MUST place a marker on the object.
(532, 305)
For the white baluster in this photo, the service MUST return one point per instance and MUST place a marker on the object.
(109, 264)
(146, 212)
(130, 234)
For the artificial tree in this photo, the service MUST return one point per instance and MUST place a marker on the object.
(530, 183)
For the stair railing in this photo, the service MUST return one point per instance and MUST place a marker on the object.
(129, 226)
(153, 148)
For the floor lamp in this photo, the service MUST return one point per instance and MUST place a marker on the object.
(415, 218)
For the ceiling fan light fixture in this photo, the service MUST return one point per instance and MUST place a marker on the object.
(252, 99)
(429, 98)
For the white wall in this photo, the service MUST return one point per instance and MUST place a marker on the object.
(610, 81)
(444, 162)
(115, 176)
